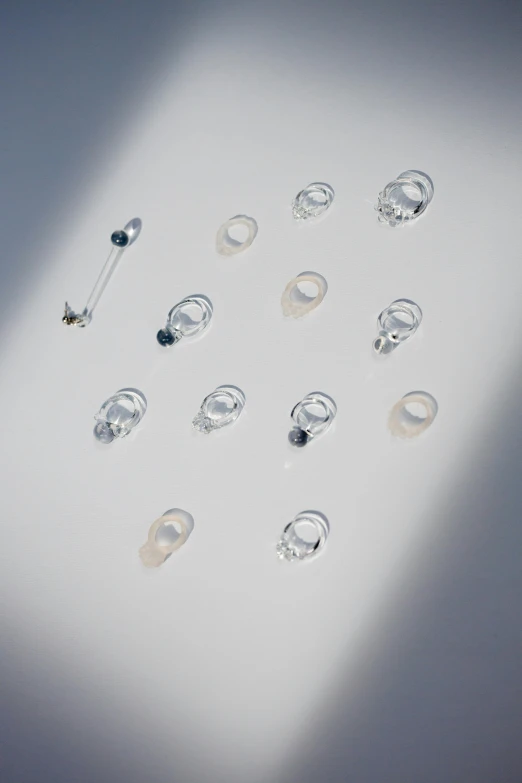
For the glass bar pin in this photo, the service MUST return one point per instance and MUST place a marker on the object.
(120, 240)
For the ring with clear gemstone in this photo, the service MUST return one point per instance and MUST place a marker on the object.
(405, 198)
(397, 323)
(223, 406)
(312, 201)
(303, 537)
(119, 415)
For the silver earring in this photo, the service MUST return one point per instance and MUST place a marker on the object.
(220, 408)
(405, 198)
(303, 537)
(312, 417)
(188, 318)
(120, 240)
(396, 323)
(119, 415)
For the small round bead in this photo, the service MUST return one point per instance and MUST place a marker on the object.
(165, 338)
(120, 239)
(298, 437)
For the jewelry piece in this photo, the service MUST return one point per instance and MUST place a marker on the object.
(396, 324)
(181, 324)
(312, 417)
(303, 537)
(218, 409)
(120, 414)
(405, 198)
(120, 241)
(412, 415)
(295, 303)
(226, 245)
(313, 201)
(159, 545)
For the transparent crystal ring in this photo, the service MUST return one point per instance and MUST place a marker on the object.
(404, 199)
(303, 537)
(188, 318)
(295, 303)
(312, 417)
(222, 407)
(226, 245)
(412, 415)
(119, 415)
(396, 323)
(312, 201)
(156, 550)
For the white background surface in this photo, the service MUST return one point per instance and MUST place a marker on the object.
(395, 655)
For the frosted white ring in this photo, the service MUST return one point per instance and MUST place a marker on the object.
(403, 424)
(294, 303)
(153, 554)
(226, 245)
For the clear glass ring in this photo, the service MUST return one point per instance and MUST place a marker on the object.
(303, 537)
(312, 416)
(405, 198)
(396, 323)
(119, 415)
(220, 408)
(187, 318)
(313, 201)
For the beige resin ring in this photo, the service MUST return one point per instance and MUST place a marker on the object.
(295, 303)
(152, 553)
(405, 424)
(227, 245)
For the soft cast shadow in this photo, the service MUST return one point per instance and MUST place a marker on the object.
(436, 693)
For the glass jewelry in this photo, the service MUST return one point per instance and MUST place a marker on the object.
(312, 417)
(226, 245)
(412, 415)
(404, 199)
(166, 535)
(295, 303)
(188, 318)
(303, 537)
(218, 409)
(120, 240)
(313, 201)
(119, 415)
(396, 323)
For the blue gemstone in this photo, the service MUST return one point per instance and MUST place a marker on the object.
(298, 437)
(120, 239)
(165, 338)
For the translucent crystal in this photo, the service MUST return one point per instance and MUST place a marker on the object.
(303, 537)
(202, 423)
(187, 318)
(119, 415)
(397, 323)
(218, 409)
(312, 417)
(313, 201)
(404, 199)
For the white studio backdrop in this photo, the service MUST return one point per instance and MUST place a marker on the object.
(226, 664)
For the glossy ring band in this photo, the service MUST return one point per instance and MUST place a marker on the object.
(294, 303)
(404, 424)
(226, 245)
(153, 554)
